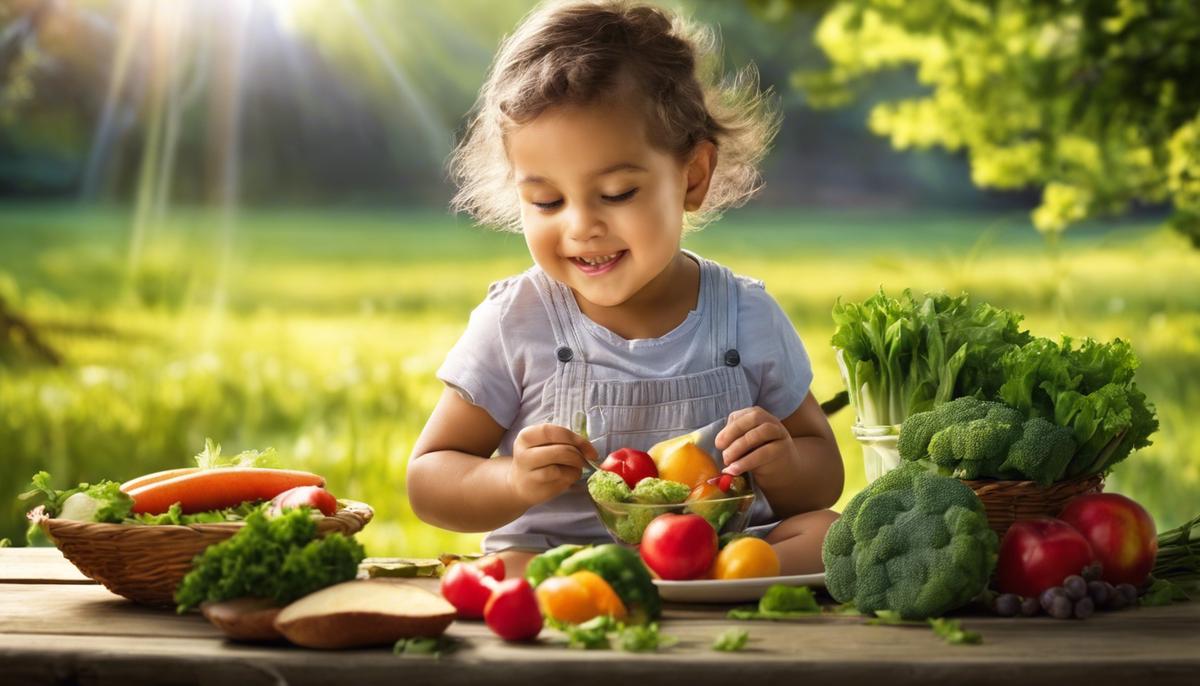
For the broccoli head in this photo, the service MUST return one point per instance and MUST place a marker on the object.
(655, 491)
(912, 542)
(607, 487)
(1041, 453)
(972, 439)
(631, 523)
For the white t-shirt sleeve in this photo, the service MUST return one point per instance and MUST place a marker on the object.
(777, 362)
(480, 365)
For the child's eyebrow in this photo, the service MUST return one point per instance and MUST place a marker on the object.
(620, 166)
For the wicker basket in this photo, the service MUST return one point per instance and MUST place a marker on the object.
(1009, 501)
(146, 563)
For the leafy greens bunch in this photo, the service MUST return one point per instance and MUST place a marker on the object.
(905, 355)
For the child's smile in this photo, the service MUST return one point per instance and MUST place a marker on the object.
(602, 211)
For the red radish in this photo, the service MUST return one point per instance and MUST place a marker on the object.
(217, 489)
(679, 546)
(512, 612)
(468, 589)
(631, 465)
(313, 496)
(492, 565)
(1121, 534)
(1037, 554)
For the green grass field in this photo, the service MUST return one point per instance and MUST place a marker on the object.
(320, 334)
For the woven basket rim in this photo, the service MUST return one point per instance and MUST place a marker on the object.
(352, 512)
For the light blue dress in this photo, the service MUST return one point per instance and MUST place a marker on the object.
(530, 356)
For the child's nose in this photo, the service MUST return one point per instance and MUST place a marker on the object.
(585, 223)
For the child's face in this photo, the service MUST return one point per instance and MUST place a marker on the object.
(592, 189)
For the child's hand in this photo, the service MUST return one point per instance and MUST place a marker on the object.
(752, 438)
(547, 459)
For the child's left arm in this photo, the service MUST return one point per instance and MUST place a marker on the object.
(795, 460)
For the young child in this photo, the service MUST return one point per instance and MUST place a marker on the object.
(601, 137)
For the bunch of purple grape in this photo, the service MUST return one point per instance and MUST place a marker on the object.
(1079, 596)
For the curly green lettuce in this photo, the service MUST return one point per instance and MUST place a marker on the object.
(278, 558)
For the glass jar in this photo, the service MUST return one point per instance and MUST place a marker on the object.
(880, 452)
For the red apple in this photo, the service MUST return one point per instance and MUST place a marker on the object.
(1037, 554)
(679, 546)
(1121, 534)
(629, 464)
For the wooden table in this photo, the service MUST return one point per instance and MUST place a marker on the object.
(58, 627)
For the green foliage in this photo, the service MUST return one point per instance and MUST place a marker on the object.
(99, 502)
(731, 640)
(278, 558)
(1096, 103)
(905, 355)
(913, 542)
(780, 602)
(951, 631)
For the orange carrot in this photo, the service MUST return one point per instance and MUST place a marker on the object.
(138, 482)
(216, 489)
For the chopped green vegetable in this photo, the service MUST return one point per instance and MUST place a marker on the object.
(641, 638)
(780, 602)
(100, 502)
(607, 487)
(592, 634)
(630, 525)
(655, 491)
(1162, 592)
(912, 542)
(436, 646)
(731, 640)
(952, 632)
(278, 558)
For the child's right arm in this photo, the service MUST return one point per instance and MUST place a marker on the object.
(453, 484)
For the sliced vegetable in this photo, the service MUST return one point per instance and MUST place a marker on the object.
(218, 488)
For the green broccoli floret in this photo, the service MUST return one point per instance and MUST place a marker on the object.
(913, 542)
(972, 439)
(630, 525)
(920, 428)
(970, 449)
(1041, 453)
(607, 487)
(655, 491)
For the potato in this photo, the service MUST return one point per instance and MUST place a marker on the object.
(363, 613)
(244, 619)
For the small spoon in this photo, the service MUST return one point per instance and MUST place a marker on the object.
(579, 425)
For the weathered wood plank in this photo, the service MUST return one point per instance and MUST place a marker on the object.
(38, 565)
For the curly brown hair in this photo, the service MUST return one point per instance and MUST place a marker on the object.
(580, 53)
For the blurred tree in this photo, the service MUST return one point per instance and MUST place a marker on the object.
(1095, 102)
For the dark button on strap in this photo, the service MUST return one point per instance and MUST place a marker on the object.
(732, 358)
(564, 354)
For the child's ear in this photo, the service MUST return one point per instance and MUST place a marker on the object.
(699, 175)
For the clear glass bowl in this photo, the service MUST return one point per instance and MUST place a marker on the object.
(625, 522)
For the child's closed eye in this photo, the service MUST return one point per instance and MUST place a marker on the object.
(621, 197)
(555, 204)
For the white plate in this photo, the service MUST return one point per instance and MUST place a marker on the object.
(730, 590)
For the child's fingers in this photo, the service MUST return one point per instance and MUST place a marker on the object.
(552, 434)
(738, 423)
(753, 439)
(543, 456)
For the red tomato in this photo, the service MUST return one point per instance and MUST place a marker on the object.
(679, 546)
(512, 611)
(1121, 534)
(1037, 554)
(468, 588)
(491, 565)
(313, 496)
(629, 464)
